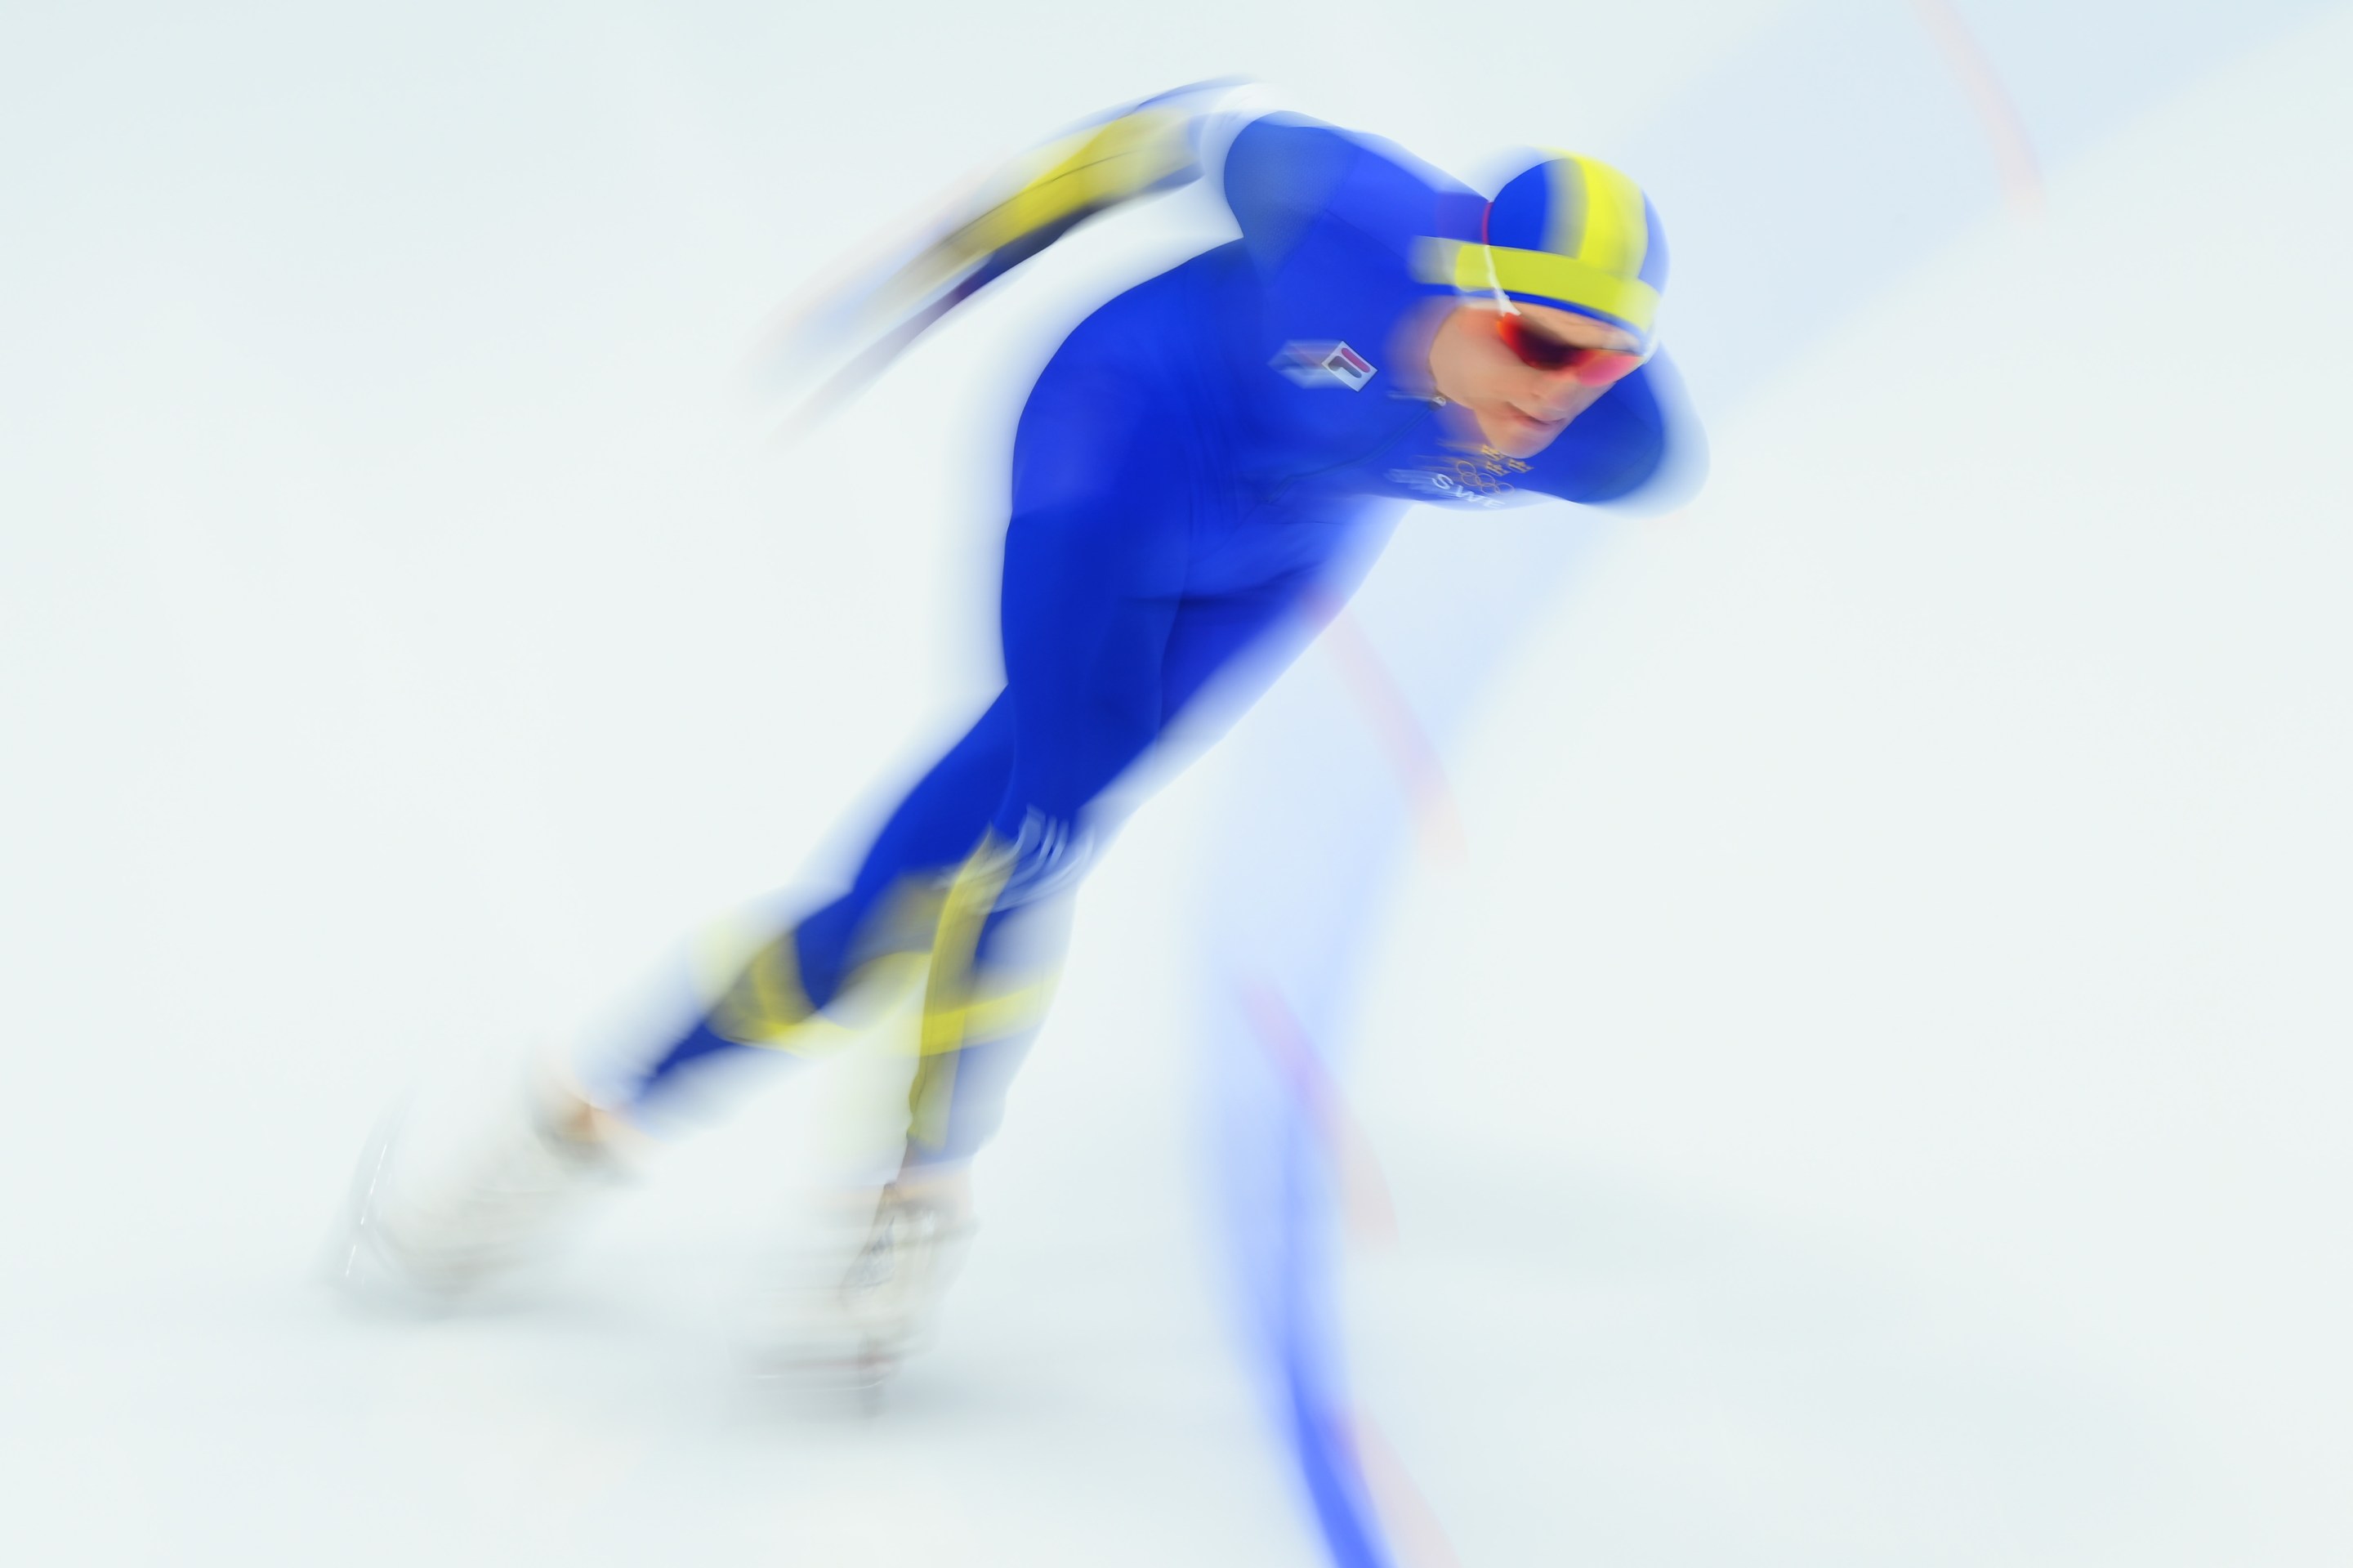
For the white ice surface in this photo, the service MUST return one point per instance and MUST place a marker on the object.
(1920, 870)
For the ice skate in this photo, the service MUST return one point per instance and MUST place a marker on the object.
(824, 1323)
(506, 1198)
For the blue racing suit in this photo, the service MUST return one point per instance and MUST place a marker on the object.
(1201, 453)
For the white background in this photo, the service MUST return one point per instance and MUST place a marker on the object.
(1873, 1092)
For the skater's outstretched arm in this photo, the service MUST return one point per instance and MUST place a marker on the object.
(861, 323)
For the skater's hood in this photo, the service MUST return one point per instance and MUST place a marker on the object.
(1570, 232)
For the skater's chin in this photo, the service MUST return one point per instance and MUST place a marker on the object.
(1515, 432)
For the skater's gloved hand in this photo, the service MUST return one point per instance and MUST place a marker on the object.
(1050, 856)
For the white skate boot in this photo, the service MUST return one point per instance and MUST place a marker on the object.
(503, 1201)
(856, 1326)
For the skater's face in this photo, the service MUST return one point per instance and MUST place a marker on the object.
(1522, 387)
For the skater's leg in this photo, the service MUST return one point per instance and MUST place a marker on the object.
(890, 907)
(927, 837)
(986, 992)
(1128, 663)
(1093, 586)
(978, 1026)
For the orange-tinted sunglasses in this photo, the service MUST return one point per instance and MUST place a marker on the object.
(1539, 350)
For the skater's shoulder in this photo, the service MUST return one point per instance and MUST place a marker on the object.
(1286, 171)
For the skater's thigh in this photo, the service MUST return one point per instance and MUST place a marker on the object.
(1091, 586)
(1235, 641)
(941, 817)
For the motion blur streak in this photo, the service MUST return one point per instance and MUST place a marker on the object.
(1306, 885)
(1420, 1539)
(1418, 769)
(2013, 153)
(1365, 1192)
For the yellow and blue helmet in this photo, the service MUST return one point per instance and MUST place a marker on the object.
(1576, 234)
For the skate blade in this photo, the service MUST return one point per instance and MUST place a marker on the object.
(820, 1370)
(813, 1370)
(357, 1239)
(363, 1261)
(807, 1346)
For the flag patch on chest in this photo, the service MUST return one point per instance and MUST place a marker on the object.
(1325, 364)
